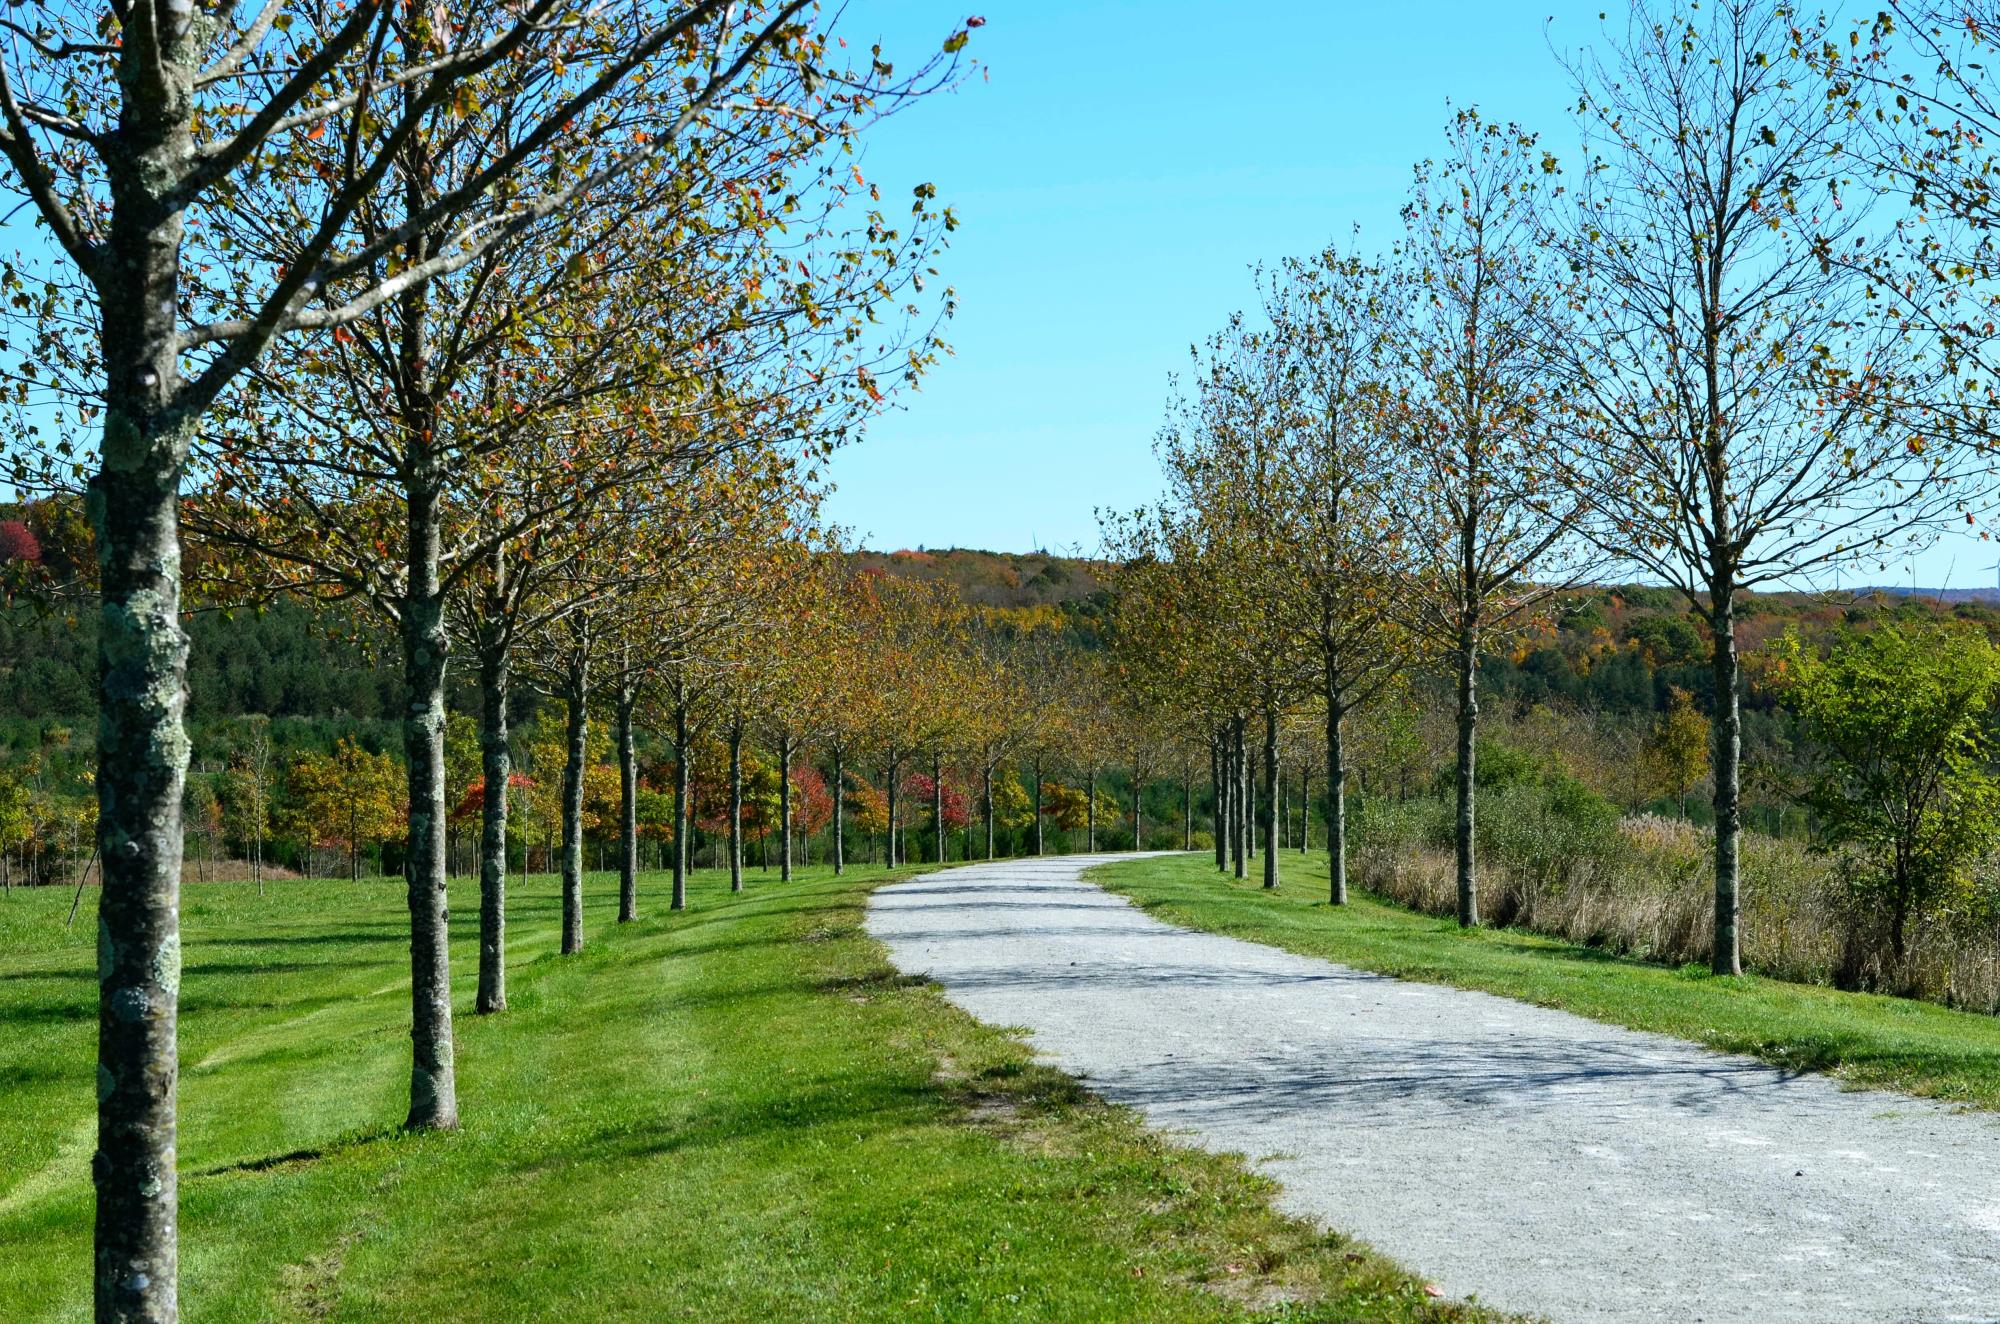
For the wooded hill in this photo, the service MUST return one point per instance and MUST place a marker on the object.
(1614, 648)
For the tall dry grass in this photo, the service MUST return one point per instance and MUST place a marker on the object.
(1642, 886)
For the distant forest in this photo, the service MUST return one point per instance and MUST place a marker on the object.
(1610, 649)
(1611, 664)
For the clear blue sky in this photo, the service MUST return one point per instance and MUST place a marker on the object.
(1117, 172)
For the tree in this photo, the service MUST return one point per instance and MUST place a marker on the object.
(1039, 661)
(349, 798)
(1677, 749)
(1475, 488)
(127, 131)
(15, 824)
(1756, 411)
(1213, 571)
(1916, 84)
(1330, 316)
(913, 643)
(994, 718)
(1090, 735)
(1903, 715)
(247, 805)
(464, 765)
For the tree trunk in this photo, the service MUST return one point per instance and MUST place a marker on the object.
(1468, 722)
(986, 791)
(1187, 811)
(433, 1087)
(1271, 782)
(497, 768)
(1090, 809)
(1305, 807)
(839, 816)
(1283, 800)
(1251, 811)
(890, 852)
(578, 732)
(628, 807)
(1136, 807)
(785, 806)
(1336, 800)
(1727, 958)
(680, 805)
(1899, 918)
(142, 755)
(1219, 795)
(1038, 804)
(937, 804)
(1238, 810)
(736, 805)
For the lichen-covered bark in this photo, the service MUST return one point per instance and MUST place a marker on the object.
(736, 806)
(1727, 957)
(1187, 806)
(496, 767)
(433, 1087)
(577, 731)
(628, 808)
(1305, 808)
(1248, 768)
(1090, 808)
(1271, 784)
(1220, 812)
(1336, 802)
(839, 816)
(785, 806)
(1038, 804)
(1239, 816)
(680, 898)
(1468, 724)
(986, 794)
(937, 804)
(142, 747)
(891, 769)
(142, 756)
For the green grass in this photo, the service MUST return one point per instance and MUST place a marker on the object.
(1864, 1039)
(736, 1113)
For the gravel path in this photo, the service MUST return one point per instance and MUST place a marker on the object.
(1547, 1163)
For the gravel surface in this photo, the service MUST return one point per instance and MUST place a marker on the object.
(1545, 1163)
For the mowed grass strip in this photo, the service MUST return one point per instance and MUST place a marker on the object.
(1864, 1039)
(736, 1113)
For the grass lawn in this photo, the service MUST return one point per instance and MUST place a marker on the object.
(736, 1113)
(1916, 1047)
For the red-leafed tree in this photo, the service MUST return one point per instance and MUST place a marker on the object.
(18, 544)
(924, 789)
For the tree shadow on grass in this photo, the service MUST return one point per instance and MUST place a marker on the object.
(300, 1158)
(80, 973)
(48, 1013)
(878, 1104)
(383, 933)
(880, 980)
(252, 969)
(12, 1077)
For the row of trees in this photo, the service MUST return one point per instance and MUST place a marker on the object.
(1744, 336)
(523, 323)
